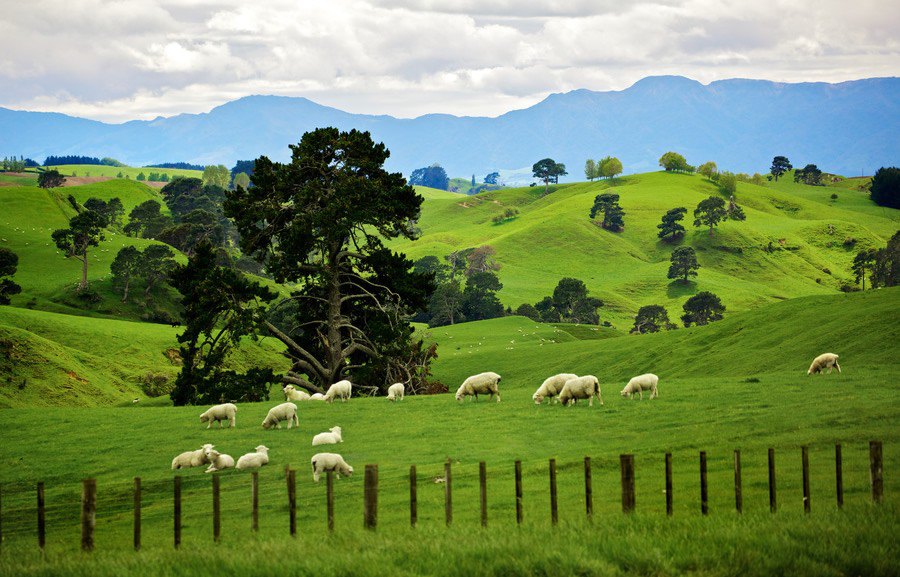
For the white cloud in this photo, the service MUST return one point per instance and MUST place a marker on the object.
(139, 59)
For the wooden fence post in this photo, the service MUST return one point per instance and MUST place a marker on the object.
(370, 497)
(839, 475)
(329, 500)
(588, 490)
(627, 465)
(217, 510)
(773, 505)
(518, 492)
(876, 471)
(669, 495)
(137, 513)
(177, 514)
(448, 494)
(88, 513)
(254, 501)
(804, 455)
(413, 496)
(554, 511)
(42, 535)
(704, 489)
(482, 481)
(292, 501)
(738, 486)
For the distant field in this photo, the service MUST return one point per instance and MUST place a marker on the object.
(113, 171)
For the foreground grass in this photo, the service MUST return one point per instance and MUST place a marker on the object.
(858, 542)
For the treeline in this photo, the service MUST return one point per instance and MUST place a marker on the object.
(181, 165)
(74, 159)
(13, 164)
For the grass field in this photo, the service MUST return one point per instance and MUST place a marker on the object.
(113, 171)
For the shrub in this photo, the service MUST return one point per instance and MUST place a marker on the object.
(156, 384)
(849, 241)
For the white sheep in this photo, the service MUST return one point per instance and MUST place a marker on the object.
(294, 394)
(551, 387)
(317, 397)
(254, 460)
(339, 389)
(218, 461)
(219, 413)
(322, 462)
(484, 383)
(641, 383)
(283, 412)
(395, 392)
(585, 387)
(191, 458)
(330, 438)
(824, 361)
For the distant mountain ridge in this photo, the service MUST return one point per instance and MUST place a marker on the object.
(848, 128)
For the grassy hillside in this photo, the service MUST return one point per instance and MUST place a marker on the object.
(552, 237)
(113, 171)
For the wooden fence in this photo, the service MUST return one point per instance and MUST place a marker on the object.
(370, 494)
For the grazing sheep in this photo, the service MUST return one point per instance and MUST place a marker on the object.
(339, 389)
(395, 392)
(218, 414)
(322, 462)
(331, 438)
(283, 412)
(641, 383)
(190, 459)
(254, 460)
(822, 362)
(484, 383)
(218, 461)
(293, 394)
(317, 397)
(585, 387)
(551, 387)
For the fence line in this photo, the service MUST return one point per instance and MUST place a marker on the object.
(89, 494)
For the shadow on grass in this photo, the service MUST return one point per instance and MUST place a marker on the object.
(680, 288)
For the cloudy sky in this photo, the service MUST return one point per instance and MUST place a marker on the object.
(126, 59)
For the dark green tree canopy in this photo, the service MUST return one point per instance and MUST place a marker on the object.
(479, 298)
(809, 174)
(85, 230)
(492, 178)
(863, 262)
(780, 165)
(146, 220)
(884, 189)
(433, 176)
(549, 171)
(710, 212)
(9, 263)
(702, 308)
(613, 215)
(51, 179)
(670, 228)
(125, 268)
(652, 319)
(683, 263)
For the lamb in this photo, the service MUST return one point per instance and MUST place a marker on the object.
(218, 414)
(551, 387)
(339, 389)
(292, 394)
(190, 459)
(322, 462)
(824, 361)
(254, 460)
(580, 388)
(641, 383)
(333, 437)
(283, 412)
(218, 461)
(395, 392)
(317, 397)
(484, 383)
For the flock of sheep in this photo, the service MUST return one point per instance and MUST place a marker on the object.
(568, 388)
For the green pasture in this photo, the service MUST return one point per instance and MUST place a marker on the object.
(113, 171)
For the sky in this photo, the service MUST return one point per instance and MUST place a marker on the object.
(138, 59)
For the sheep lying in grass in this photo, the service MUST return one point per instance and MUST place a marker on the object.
(824, 361)
(330, 438)
(339, 389)
(317, 397)
(641, 383)
(219, 413)
(585, 387)
(323, 462)
(218, 461)
(551, 387)
(395, 392)
(283, 412)
(482, 383)
(294, 394)
(254, 460)
(190, 459)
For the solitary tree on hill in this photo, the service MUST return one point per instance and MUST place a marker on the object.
(702, 308)
(433, 176)
(590, 169)
(492, 178)
(674, 162)
(670, 227)
(683, 263)
(85, 230)
(710, 212)
(51, 179)
(652, 319)
(9, 262)
(613, 215)
(548, 170)
(809, 174)
(780, 165)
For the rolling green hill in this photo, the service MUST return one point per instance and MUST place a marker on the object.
(112, 171)
(552, 238)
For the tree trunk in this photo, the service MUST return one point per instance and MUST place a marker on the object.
(125, 294)
(547, 185)
(334, 317)
(84, 267)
